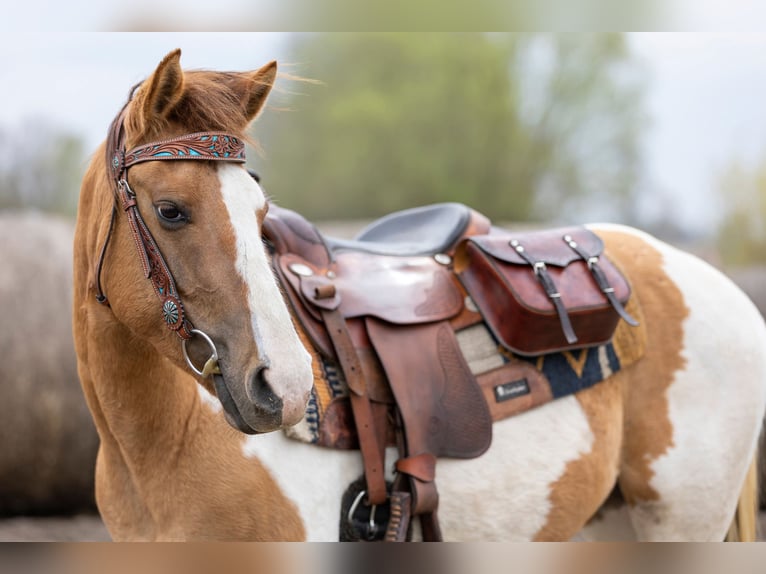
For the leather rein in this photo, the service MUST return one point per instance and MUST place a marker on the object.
(207, 146)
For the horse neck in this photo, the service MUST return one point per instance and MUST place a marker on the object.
(146, 404)
(157, 435)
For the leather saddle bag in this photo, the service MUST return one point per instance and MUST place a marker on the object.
(545, 291)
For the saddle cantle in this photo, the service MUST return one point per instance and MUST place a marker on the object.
(390, 311)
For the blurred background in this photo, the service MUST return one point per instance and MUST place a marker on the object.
(666, 132)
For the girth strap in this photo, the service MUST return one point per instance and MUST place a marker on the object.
(545, 279)
(600, 278)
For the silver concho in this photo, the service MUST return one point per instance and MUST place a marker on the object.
(301, 269)
(170, 311)
(443, 258)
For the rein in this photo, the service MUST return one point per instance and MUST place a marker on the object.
(208, 146)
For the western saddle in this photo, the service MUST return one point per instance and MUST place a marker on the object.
(385, 307)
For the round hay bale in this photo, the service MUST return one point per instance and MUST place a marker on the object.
(48, 442)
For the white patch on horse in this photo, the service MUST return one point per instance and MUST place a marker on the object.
(715, 404)
(209, 400)
(314, 478)
(505, 493)
(289, 373)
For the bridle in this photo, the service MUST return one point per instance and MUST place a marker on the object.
(207, 146)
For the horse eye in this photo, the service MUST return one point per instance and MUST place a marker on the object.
(170, 212)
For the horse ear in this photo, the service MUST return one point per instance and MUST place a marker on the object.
(260, 83)
(164, 88)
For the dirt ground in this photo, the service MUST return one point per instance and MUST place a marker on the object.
(88, 528)
(81, 528)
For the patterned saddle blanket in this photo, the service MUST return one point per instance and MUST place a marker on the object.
(511, 384)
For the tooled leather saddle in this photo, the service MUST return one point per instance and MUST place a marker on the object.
(386, 307)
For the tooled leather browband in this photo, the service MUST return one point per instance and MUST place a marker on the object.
(214, 146)
(209, 146)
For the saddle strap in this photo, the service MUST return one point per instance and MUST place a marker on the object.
(545, 279)
(372, 454)
(420, 470)
(399, 519)
(600, 277)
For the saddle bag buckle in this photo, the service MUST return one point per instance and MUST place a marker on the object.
(549, 286)
(600, 278)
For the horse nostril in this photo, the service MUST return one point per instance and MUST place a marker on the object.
(263, 397)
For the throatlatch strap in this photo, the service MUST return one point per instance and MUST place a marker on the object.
(100, 297)
(545, 279)
(600, 277)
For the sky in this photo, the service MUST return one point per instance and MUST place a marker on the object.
(706, 101)
(705, 96)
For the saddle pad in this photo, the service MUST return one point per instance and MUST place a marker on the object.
(511, 384)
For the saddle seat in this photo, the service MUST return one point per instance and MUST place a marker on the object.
(426, 230)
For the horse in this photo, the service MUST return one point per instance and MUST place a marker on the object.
(191, 376)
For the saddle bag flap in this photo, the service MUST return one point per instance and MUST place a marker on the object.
(537, 291)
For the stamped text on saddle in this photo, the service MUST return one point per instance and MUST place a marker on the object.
(388, 308)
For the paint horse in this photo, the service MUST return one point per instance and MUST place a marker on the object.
(189, 359)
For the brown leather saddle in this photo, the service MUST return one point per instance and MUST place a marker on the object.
(386, 307)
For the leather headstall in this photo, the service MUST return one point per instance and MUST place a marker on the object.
(208, 146)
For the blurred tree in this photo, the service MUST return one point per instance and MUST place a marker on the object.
(742, 232)
(40, 168)
(517, 126)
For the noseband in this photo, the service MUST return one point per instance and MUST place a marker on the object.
(208, 146)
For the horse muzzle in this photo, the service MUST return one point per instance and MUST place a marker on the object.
(255, 407)
(245, 415)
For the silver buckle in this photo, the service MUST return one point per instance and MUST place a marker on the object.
(211, 365)
(372, 527)
(539, 267)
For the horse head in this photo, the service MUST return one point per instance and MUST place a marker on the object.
(206, 259)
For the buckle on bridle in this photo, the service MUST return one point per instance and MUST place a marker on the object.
(211, 365)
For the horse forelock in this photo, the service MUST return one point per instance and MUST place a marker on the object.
(210, 101)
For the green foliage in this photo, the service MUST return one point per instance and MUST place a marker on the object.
(517, 126)
(742, 232)
(40, 168)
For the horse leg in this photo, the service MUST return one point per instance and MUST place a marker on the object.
(694, 404)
